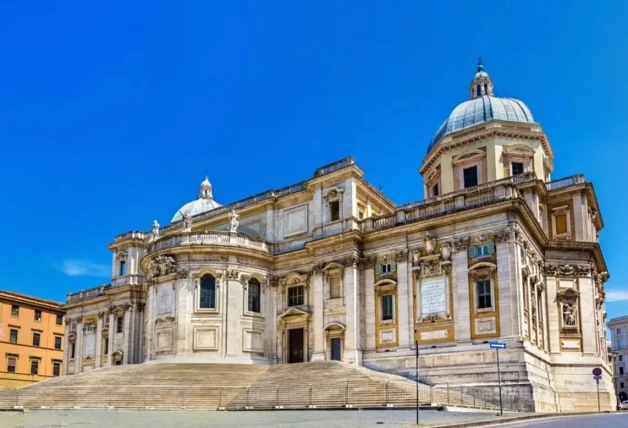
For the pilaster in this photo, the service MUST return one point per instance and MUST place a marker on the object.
(353, 350)
(317, 320)
(462, 312)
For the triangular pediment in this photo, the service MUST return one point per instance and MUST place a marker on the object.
(294, 312)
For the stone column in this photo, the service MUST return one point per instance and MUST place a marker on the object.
(182, 310)
(66, 346)
(460, 284)
(317, 319)
(98, 334)
(369, 297)
(234, 311)
(404, 292)
(507, 288)
(126, 332)
(553, 320)
(353, 349)
(110, 339)
(587, 315)
(78, 350)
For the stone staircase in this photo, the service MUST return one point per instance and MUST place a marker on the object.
(233, 386)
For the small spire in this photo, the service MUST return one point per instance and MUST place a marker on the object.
(205, 191)
(481, 84)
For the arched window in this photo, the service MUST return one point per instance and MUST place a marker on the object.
(479, 90)
(254, 291)
(208, 292)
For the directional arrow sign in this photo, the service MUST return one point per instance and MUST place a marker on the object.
(497, 345)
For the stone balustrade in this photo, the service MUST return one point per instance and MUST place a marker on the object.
(88, 294)
(209, 238)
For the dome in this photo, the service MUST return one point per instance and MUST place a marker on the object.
(482, 109)
(196, 207)
(204, 203)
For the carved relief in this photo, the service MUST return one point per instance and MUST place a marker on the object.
(445, 251)
(163, 320)
(232, 274)
(461, 244)
(429, 243)
(567, 270)
(163, 265)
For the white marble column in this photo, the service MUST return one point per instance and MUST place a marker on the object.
(353, 350)
(369, 297)
(404, 291)
(66, 346)
(110, 339)
(150, 314)
(126, 336)
(317, 319)
(553, 320)
(587, 315)
(98, 334)
(462, 311)
(78, 350)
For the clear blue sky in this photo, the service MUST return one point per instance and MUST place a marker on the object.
(110, 113)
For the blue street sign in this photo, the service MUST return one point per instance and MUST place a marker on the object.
(497, 345)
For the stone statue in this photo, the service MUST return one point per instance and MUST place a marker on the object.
(155, 233)
(569, 315)
(233, 218)
(187, 221)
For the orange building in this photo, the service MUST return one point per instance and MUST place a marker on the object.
(31, 339)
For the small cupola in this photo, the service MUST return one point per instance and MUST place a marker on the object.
(481, 83)
(205, 191)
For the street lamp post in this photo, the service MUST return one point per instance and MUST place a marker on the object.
(614, 353)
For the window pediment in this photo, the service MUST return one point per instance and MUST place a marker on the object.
(470, 156)
(482, 270)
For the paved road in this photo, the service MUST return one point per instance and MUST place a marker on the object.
(198, 419)
(613, 420)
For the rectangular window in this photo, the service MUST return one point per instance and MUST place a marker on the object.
(254, 291)
(484, 294)
(619, 331)
(517, 168)
(11, 363)
(122, 268)
(13, 336)
(470, 176)
(621, 358)
(34, 367)
(621, 370)
(621, 385)
(334, 287)
(119, 324)
(207, 298)
(59, 319)
(334, 210)
(295, 296)
(72, 350)
(387, 308)
(561, 224)
(36, 339)
(37, 315)
(57, 342)
(435, 190)
(384, 269)
(15, 311)
(481, 250)
(105, 345)
(56, 368)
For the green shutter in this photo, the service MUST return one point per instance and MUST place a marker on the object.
(393, 266)
(491, 247)
(378, 269)
(471, 251)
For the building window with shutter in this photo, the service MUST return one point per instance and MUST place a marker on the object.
(34, 367)
(36, 339)
(11, 364)
(254, 291)
(57, 342)
(483, 250)
(15, 311)
(207, 293)
(388, 308)
(13, 336)
(56, 368)
(37, 315)
(385, 268)
(59, 319)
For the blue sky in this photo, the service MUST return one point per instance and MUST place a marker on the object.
(110, 113)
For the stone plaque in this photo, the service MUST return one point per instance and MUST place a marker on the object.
(433, 296)
(164, 300)
(295, 220)
(89, 346)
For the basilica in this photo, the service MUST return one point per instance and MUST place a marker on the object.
(331, 269)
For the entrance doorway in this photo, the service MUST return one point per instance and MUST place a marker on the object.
(295, 345)
(336, 349)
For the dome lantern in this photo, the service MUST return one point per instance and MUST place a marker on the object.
(205, 191)
(204, 203)
(481, 83)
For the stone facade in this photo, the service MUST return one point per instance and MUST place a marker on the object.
(331, 269)
(619, 346)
